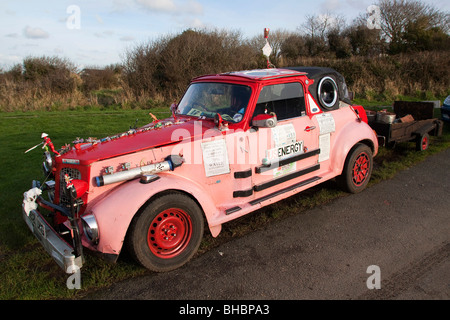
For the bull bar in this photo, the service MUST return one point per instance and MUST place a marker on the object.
(53, 243)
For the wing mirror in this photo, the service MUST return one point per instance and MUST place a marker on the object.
(265, 120)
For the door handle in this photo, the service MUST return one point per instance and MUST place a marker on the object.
(309, 128)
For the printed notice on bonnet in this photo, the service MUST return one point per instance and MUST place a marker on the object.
(215, 157)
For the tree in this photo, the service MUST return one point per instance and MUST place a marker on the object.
(364, 41)
(419, 36)
(399, 16)
(293, 47)
(316, 29)
(339, 44)
(277, 39)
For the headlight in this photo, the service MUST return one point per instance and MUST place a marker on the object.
(90, 228)
(447, 101)
(47, 165)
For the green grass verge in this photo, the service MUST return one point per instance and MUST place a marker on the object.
(27, 272)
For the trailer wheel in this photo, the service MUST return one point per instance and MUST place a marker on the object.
(422, 142)
(357, 169)
(167, 233)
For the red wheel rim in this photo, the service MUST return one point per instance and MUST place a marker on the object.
(169, 233)
(424, 143)
(361, 169)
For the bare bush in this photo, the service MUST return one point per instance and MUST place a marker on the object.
(140, 68)
(50, 74)
(40, 83)
(422, 74)
(165, 66)
(95, 78)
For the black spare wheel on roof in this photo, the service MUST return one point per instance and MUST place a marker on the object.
(329, 86)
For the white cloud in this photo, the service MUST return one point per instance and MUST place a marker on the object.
(99, 19)
(127, 38)
(35, 33)
(359, 5)
(194, 23)
(345, 6)
(331, 5)
(104, 34)
(194, 7)
(121, 5)
(331, 20)
(169, 6)
(9, 60)
(158, 5)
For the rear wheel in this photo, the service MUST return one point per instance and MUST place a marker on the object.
(167, 233)
(357, 169)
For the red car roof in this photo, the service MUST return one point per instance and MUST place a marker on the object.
(258, 74)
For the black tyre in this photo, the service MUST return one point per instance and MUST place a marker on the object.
(167, 233)
(357, 169)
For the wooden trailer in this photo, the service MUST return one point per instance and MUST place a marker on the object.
(411, 121)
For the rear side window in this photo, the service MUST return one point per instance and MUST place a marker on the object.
(286, 100)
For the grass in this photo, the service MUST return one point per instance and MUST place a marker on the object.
(388, 101)
(27, 272)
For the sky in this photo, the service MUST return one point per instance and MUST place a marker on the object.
(98, 33)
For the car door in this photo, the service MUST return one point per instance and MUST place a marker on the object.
(285, 155)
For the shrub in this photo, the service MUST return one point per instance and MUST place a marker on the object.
(96, 78)
(165, 66)
(50, 74)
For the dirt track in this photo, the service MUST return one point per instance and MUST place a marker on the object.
(401, 225)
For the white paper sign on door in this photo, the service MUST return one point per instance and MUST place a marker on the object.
(324, 146)
(215, 157)
(326, 123)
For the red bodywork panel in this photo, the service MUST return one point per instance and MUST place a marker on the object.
(361, 113)
(132, 143)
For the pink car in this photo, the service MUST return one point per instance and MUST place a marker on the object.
(236, 142)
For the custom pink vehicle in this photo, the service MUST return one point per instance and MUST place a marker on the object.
(236, 142)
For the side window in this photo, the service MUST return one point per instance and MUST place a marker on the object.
(286, 100)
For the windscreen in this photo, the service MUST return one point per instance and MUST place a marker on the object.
(206, 99)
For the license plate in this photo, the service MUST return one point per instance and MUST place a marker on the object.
(39, 226)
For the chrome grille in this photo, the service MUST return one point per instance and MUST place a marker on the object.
(74, 174)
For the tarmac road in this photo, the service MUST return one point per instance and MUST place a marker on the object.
(401, 226)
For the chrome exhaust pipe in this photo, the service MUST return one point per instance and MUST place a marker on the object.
(170, 163)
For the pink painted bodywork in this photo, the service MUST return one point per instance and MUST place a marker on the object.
(114, 206)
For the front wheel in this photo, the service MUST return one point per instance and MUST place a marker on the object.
(167, 233)
(357, 169)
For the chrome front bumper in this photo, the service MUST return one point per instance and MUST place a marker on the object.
(52, 242)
